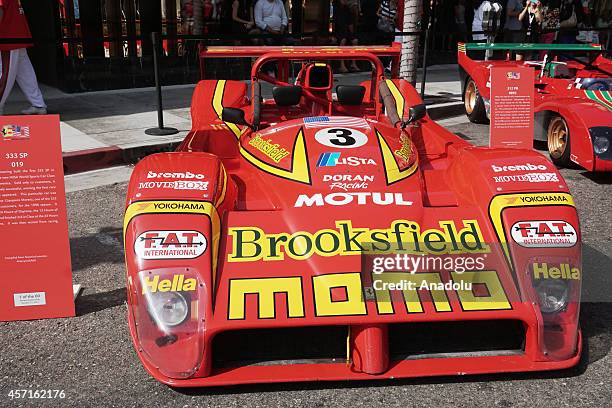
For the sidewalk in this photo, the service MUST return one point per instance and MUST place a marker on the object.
(102, 129)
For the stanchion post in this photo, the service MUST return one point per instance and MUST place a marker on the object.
(424, 75)
(160, 130)
(430, 19)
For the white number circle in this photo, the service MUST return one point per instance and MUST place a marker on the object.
(341, 138)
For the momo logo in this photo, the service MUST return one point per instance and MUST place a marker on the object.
(518, 167)
(251, 244)
(348, 181)
(547, 271)
(544, 234)
(184, 176)
(361, 198)
(177, 283)
(331, 159)
(170, 245)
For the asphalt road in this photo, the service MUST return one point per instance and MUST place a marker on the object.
(91, 358)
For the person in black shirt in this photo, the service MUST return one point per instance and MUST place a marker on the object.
(531, 17)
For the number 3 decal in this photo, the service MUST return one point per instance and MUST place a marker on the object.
(342, 138)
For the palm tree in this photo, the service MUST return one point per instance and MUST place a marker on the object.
(410, 43)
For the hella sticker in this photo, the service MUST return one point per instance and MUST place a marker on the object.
(170, 245)
(544, 234)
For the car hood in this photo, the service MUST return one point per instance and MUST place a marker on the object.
(330, 161)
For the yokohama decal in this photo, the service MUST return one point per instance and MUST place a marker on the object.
(544, 234)
(170, 245)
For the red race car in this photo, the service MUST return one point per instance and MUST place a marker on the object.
(334, 233)
(573, 103)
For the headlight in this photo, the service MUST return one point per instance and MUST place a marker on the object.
(168, 309)
(553, 294)
(600, 137)
(600, 144)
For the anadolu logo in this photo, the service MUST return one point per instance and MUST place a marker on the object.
(170, 245)
(544, 234)
(186, 176)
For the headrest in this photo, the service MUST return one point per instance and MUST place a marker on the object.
(350, 94)
(287, 95)
(319, 76)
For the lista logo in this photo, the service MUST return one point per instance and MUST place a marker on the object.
(544, 234)
(334, 159)
(170, 245)
(362, 198)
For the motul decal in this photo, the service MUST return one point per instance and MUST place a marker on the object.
(170, 245)
(544, 234)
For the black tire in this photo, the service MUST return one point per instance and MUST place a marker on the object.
(473, 103)
(558, 140)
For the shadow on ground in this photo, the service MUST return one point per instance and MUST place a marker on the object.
(104, 246)
(97, 302)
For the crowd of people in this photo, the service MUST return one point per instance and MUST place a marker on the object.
(355, 21)
(541, 21)
(249, 18)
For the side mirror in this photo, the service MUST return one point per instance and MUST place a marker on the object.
(417, 112)
(234, 115)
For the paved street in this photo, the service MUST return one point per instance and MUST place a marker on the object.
(92, 359)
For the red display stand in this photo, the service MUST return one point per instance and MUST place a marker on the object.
(35, 268)
(511, 107)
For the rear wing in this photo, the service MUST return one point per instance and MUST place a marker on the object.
(529, 47)
(392, 51)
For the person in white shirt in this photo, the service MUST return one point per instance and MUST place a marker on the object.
(271, 17)
(477, 22)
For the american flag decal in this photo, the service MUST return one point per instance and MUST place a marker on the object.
(326, 121)
(15, 132)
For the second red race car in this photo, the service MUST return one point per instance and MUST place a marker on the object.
(573, 99)
(336, 232)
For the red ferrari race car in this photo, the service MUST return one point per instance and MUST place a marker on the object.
(334, 233)
(573, 103)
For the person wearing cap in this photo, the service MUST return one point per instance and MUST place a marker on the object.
(15, 64)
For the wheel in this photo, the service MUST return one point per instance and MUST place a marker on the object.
(474, 104)
(559, 141)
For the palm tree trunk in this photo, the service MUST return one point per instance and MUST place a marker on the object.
(410, 43)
